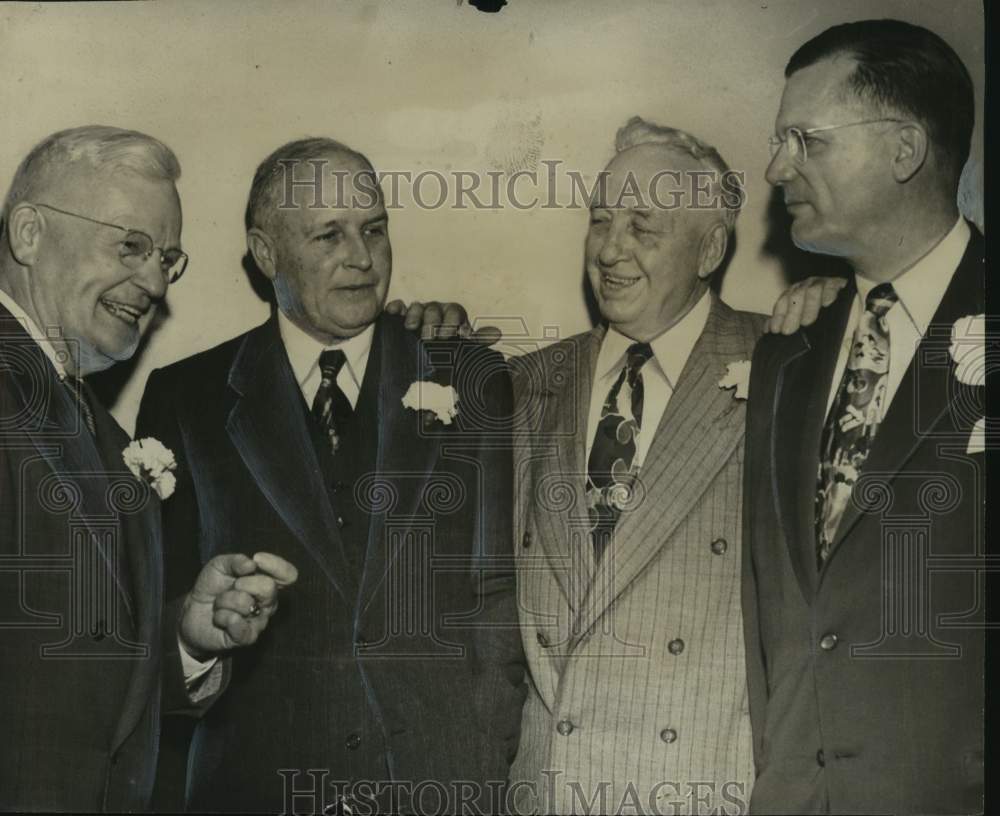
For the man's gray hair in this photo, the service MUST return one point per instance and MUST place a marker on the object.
(100, 147)
(727, 184)
(264, 189)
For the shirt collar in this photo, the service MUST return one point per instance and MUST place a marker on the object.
(34, 332)
(303, 350)
(921, 287)
(671, 348)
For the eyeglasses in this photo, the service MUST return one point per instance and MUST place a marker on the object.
(795, 138)
(137, 247)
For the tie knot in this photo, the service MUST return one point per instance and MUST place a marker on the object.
(330, 363)
(880, 299)
(637, 354)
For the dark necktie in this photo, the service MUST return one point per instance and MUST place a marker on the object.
(610, 470)
(78, 390)
(331, 408)
(854, 417)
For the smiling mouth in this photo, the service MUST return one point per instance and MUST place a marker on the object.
(123, 311)
(617, 282)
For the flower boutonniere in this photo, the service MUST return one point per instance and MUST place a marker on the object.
(152, 462)
(737, 376)
(439, 400)
(968, 351)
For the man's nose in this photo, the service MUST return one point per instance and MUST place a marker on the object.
(151, 277)
(613, 249)
(781, 168)
(360, 256)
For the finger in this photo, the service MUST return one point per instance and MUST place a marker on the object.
(486, 335)
(395, 307)
(262, 587)
(233, 564)
(238, 630)
(778, 313)
(414, 315)
(433, 315)
(454, 319)
(811, 304)
(831, 288)
(242, 603)
(283, 573)
(793, 317)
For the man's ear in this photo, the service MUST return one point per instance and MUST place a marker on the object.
(24, 229)
(911, 151)
(712, 249)
(262, 248)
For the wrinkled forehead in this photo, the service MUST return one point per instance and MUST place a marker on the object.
(654, 175)
(332, 185)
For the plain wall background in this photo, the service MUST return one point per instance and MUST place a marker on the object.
(434, 85)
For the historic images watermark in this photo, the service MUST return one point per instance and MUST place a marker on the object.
(316, 184)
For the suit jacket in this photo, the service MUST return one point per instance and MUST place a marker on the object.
(636, 661)
(80, 599)
(866, 677)
(395, 656)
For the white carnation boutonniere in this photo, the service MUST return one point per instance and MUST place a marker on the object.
(737, 376)
(439, 400)
(968, 350)
(152, 462)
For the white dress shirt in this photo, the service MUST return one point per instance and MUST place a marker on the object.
(919, 291)
(36, 334)
(303, 354)
(660, 372)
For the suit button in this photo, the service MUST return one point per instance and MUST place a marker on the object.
(526, 540)
(676, 646)
(340, 521)
(564, 727)
(719, 546)
(828, 642)
(821, 758)
(353, 742)
(542, 640)
(668, 735)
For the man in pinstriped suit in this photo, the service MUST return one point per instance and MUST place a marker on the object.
(628, 507)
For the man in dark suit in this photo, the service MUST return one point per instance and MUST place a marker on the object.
(391, 678)
(863, 567)
(83, 638)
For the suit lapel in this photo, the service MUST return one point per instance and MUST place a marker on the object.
(407, 451)
(697, 433)
(559, 467)
(50, 419)
(802, 390)
(928, 406)
(267, 427)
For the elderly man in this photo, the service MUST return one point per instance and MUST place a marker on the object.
(627, 509)
(864, 527)
(91, 233)
(391, 681)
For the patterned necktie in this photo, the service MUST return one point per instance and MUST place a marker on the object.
(854, 417)
(78, 390)
(331, 408)
(610, 470)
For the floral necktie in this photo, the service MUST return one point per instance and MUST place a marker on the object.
(854, 417)
(610, 471)
(331, 408)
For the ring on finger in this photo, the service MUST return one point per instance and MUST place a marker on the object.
(254, 610)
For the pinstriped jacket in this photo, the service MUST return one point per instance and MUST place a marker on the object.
(638, 693)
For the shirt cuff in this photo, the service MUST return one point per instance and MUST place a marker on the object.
(193, 669)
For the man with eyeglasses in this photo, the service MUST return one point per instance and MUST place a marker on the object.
(90, 240)
(863, 565)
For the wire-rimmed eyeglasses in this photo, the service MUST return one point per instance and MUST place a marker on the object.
(137, 247)
(795, 138)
